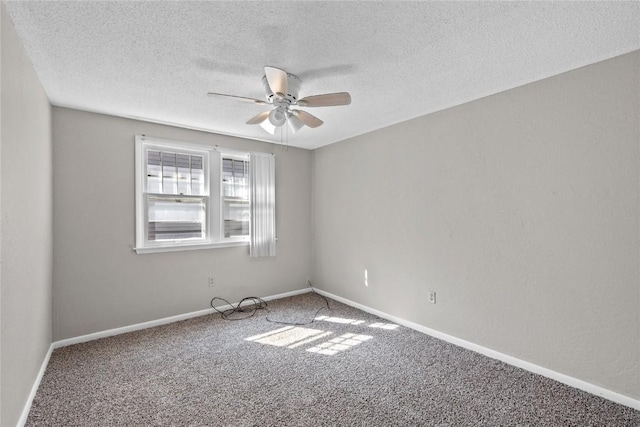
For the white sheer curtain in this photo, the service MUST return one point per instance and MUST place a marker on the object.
(262, 187)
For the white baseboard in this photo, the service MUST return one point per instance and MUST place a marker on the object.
(163, 321)
(27, 407)
(536, 369)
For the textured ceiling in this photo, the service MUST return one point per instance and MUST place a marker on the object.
(157, 60)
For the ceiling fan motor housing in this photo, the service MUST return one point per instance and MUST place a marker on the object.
(293, 83)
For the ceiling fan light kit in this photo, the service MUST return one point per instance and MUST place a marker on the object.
(295, 124)
(278, 116)
(281, 90)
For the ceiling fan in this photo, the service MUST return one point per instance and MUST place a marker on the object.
(282, 93)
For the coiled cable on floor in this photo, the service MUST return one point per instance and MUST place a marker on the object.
(260, 304)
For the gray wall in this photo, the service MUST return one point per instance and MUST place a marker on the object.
(100, 283)
(520, 210)
(25, 245)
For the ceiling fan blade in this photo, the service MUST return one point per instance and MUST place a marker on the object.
(259, 118)
(277, 80)
(238, 98)
(306, 118)
(326, 100)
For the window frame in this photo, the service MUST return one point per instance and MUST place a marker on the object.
(214, 217)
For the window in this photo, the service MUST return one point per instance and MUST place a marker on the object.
(190, 196)
(235, 196)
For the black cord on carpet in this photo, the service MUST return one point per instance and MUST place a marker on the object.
(260, 304)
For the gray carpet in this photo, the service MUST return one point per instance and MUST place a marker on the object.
(335, 372)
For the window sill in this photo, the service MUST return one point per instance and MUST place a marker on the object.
(155, 249)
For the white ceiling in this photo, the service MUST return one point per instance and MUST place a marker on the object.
(157, 60)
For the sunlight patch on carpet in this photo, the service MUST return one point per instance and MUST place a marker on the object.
(338, 344)
(389, 326)
(309, 340)
(287, 336)
(341, 320)
(295, 336)
(344, 321)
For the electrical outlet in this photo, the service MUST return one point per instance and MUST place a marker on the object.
(212, 283)
(432, 297)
